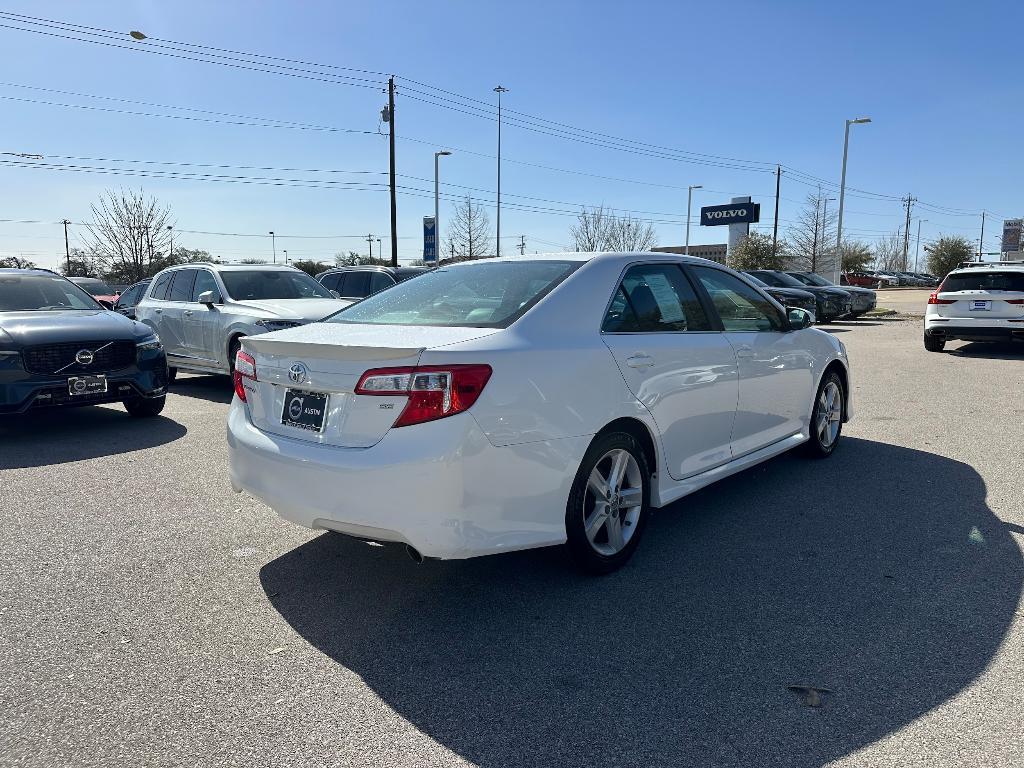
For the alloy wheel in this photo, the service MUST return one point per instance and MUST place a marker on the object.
(613, 502)
(830, 414)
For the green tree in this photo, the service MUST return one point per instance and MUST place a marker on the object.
(311, 268)
(946, 253)
(353, 259)
(857, 256)
(252, 261)
(756, 251)
(80, 264)
(8, 262)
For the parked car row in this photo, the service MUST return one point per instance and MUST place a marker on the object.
(909, 279)
(831, 301)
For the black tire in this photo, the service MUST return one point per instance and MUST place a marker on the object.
(236, 344)
(817, 447)
(145, 407)
(582, 503)
(172, 374)
(934, 343)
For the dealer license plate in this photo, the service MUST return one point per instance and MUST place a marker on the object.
(304, 410)
(87, 385)
(981, 306)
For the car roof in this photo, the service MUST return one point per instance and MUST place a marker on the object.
(32, 271)
(999, 266)
(234, 267)
(584, 257)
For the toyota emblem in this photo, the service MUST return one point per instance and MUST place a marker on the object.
(297, 373)
(84, 357)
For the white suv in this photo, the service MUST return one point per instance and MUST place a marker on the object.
(200, 311)
(976, 303)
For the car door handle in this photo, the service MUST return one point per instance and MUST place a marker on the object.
(187, 312)
(744, 351)
(640, 361)
(158, 311)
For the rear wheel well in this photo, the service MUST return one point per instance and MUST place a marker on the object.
(232, 340)
(844, 379)
(639, 431)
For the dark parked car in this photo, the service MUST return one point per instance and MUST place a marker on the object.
(831, 302)
(59, 347)
(96, 288)
(864, 299)
(127, 301)
(787, 297)
(356, 283)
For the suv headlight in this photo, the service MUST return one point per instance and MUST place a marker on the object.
(149, 343)
(277, 325)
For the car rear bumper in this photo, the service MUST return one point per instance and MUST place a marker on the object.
(440, 487)
(21, 392)
(974, 328)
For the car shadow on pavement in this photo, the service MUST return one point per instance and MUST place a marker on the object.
(50, 437)
(214, 387)
(789, 615)
(1009, 350)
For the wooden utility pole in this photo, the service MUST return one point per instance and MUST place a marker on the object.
(981, 240)
(391, 173)
(67, 249)
(775, 228)
(908, 201)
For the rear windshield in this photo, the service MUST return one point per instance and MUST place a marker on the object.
(984, 281)
(486, 294)
(20, 293)
(272, 284)
(94, 286)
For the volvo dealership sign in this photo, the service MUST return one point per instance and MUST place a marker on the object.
(733, 213)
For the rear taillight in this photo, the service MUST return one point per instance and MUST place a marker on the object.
(933, 298)
(1015, 301)
(434, 391)
(245, 368)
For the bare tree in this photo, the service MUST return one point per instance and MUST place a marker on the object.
(128, 232)
(813, 237)
(469, 233)
(598, 229)
(889, 252)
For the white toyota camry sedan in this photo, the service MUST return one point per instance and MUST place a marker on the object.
(503, 404)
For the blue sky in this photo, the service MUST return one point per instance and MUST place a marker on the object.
(762, 83)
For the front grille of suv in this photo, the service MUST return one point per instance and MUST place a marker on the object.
(108, 356)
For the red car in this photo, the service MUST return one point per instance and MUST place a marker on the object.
(861, 279)
(98, 289)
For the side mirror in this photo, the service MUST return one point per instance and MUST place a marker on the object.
(336, 294)
(798, 318)
(208, 298)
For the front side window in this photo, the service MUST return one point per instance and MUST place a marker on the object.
(256, 284)
(204, 282)
(740, 306)
(810, 278)
(655, 298)
(357, 285)
(26, 293)
(481, 294)
(130, 297)
(379, 281)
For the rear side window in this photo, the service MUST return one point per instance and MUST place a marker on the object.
(160, 289)
(330, 282)
(357, 285)
(984, 281)
(655, 298)
(379, 281)
(181, 288)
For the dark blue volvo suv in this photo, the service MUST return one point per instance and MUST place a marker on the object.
(60, 347)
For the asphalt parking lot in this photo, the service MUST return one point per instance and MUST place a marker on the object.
(150, 616)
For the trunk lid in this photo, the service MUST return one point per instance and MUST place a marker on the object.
(329, 359)
(981, 304)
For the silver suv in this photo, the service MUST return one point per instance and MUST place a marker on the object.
(200, 311)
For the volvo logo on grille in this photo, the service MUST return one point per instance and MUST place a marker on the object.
(84, 357)
(297, 373)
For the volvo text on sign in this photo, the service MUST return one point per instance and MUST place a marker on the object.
(733, 213)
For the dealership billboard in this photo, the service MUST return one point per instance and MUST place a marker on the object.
(1011, 235)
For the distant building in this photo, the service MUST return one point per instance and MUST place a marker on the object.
(713, 252)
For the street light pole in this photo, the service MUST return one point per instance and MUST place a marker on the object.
(285, 255)
(689, 201)
(273, 244)
(437, 206)
(842, 193)
(499, 90)
(170, 253)
(917, 252)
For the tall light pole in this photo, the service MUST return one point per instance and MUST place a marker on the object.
(824, 226)
(437, 207)
(917, 253)
(842, 193)
(499, 90)
(689, 202)
(273, 244)
(170, 254)
(285, 255)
